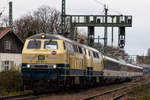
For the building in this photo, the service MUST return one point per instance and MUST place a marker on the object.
(143, 59)
(10, 49)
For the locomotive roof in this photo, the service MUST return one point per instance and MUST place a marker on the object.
(47, 36)
(56, 36)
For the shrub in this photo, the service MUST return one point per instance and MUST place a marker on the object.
(10, 81)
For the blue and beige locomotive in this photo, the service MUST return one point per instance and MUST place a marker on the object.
(52, 61)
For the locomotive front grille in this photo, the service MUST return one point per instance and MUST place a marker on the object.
(43, 66)
(39, 66)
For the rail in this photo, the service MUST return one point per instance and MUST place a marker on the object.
(20, 97)
(104, 93)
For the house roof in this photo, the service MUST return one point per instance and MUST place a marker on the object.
(6, 30)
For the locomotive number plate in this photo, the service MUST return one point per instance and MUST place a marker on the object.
(41, 57)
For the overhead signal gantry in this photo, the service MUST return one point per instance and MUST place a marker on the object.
(92, 21)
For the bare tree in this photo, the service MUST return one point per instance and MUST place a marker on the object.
(48, 19)
(44, 20)
(26, 26)
(4, 22)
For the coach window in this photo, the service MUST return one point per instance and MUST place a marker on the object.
(34, 44)
(80, 50)
(93, 54)
(64, 45)
(97, 55)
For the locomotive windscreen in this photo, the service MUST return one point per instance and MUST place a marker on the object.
(34, 44)
(52, 45)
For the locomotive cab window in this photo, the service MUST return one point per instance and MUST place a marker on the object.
(34, 44)
(52, 45)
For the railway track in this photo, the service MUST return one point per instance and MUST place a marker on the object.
(113, 94)
(34, 97)
(119, 96)
(20, 97)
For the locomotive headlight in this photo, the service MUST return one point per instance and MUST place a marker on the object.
(28, 65)
(54, 66)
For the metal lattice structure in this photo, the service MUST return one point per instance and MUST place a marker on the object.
(10, 14)
(92, 21)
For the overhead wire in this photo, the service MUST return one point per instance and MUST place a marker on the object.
(43, 2)
(102, 4)
(115, 11)
(99, 2)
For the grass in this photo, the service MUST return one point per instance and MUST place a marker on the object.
(16, 93)
(140, 92)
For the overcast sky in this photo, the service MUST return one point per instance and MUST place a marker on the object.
(137, 37)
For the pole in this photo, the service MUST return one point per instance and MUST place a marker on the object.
(63, 15)
(0, 14)
(112, 30)
(112, 39)
(105, 30)
(99, 42)
(10, 14)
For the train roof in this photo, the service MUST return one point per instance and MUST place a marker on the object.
(122, 62)
(56, 36)
(111, 59)
(134, 66)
